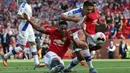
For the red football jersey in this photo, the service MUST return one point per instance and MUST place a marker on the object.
(58, 45)
(90, 27)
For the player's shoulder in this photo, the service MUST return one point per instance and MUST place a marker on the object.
(23, 4)
(74, 11)
(51, 28)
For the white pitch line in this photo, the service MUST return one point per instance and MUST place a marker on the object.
(46, 70)
(21, 71)
(67, 60)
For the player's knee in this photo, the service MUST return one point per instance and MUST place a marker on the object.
(55, 62)
(81, 44)
(80, 56)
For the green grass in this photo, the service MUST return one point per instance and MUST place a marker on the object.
(102, 66)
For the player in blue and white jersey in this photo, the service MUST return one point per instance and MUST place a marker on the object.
(26, 34)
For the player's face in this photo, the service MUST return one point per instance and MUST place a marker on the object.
(87, 10)
(63, 29)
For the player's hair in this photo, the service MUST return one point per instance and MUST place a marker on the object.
(87, 3)
(94, 3)
(63, 23)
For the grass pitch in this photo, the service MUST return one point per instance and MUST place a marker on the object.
(102, 66)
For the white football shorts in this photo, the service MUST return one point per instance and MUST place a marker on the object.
(48, 58)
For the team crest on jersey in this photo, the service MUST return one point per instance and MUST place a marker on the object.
(64, 39)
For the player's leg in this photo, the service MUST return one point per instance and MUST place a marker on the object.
(22, 40)
(35, 55)
(56, 66)
(13, 52)
(79, 55)
(53, 62)
(31, 39)
(80, 42)
(71, 65)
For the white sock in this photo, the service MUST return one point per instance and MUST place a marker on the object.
(36, 61)
(35, 56)
(8, 54)
(87, 57)
(90, 65)
(17, 49)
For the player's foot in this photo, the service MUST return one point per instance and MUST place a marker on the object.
(93, 70)
(57, 69)
(83, 63)
(39, 65)
(69, 70)
(4, 60)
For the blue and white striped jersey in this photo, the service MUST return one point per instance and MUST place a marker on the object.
(74, 13)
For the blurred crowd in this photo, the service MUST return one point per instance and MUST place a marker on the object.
(115, 14)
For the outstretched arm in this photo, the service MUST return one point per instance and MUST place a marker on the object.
(35, 26)
(69, 18)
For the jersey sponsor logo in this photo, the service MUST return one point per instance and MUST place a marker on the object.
(58, 42)
(77, 11)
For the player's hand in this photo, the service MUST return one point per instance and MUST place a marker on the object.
(25, 16)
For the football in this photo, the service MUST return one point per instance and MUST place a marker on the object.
(99, 38)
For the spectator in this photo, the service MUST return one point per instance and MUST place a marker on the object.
(122, 49)
(120, 35)
(118, 21)
(113, 31)
(111, 48)
(38, 39)
(5, 41)
(109, 18)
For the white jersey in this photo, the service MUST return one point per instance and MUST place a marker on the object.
(73, 13)
(26, 32)
(25, 8)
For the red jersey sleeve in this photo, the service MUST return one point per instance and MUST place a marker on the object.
(50, 29)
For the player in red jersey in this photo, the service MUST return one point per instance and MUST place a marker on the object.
(74, 17)
(92, 20)
(60, 41)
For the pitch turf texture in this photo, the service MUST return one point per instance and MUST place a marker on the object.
(102, 66)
